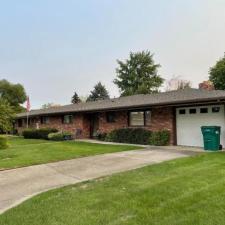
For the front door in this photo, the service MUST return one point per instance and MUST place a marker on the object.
(94, 125)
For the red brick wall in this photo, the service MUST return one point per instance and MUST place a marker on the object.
(207, 85)
(56, 122)
(79, 122)
(161, 118)
(121, 119)
(86, 126)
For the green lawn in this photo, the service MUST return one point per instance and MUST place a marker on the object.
(188, 191)
(26, 152)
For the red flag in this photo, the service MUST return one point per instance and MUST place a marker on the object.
(28, 104)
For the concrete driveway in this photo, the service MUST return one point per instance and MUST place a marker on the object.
(17, 185)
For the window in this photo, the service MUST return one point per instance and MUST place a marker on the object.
(215, 109)
(45, 120)
(192, 111)
(25, 121)
(32, 120)
(111, 117)
(147, 118)
(67, 119)
(204, 110)
(182, 111)
(20, 122)
(136, 118)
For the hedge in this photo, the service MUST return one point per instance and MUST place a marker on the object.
(38, 133)
(129, 135)
(160, 138)
(137, 136)
(101, 136)
(3, 142)
(60, 136)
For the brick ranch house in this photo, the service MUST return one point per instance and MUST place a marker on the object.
(182, 112)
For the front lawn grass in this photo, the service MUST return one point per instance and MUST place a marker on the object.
(188, 191)
(26, 152)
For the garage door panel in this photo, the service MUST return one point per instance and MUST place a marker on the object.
(189, 123)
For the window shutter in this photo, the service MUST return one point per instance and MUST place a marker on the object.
(41, 119)
(62, 118)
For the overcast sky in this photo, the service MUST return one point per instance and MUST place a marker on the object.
(55, 47)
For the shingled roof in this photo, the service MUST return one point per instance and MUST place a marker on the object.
(136, 101)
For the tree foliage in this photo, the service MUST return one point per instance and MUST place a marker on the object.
(75, 98)
(6, 115)
(183, 84)
(217, 74)
(14, 94)
(99, 93)
(138, 74)
(176, 83)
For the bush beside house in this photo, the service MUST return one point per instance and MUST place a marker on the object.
(3, 142)
(124, 135)
(129, 135)
(160, 138)
(137, 136)
(60, 136)
(101, 136)
(38, 133)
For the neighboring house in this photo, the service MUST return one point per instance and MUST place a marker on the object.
(182, 112)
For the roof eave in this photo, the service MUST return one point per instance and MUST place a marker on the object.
(177, 103)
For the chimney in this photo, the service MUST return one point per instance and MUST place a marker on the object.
(206, 85)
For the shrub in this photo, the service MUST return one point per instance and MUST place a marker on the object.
(28, 133)
(160, 138)
(60, 136)
(129, 135)
(56, 136)
(3, 142)
(101, 136)
(38, 133)
(68, 136)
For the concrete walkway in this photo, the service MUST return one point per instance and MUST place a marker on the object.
(179, 148)
(20, 184)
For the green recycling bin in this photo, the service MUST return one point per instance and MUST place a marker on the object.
(211, 137)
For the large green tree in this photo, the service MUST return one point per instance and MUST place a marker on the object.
(138, 74)
(14, 94)
(6, 115)
(217, 74)
(99, 93)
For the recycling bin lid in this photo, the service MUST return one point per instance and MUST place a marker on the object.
(210, 127)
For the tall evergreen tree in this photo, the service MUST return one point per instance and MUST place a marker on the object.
(75, 98)
(138, 74)
(99, 93)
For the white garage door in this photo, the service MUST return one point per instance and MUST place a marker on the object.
(190, 120)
